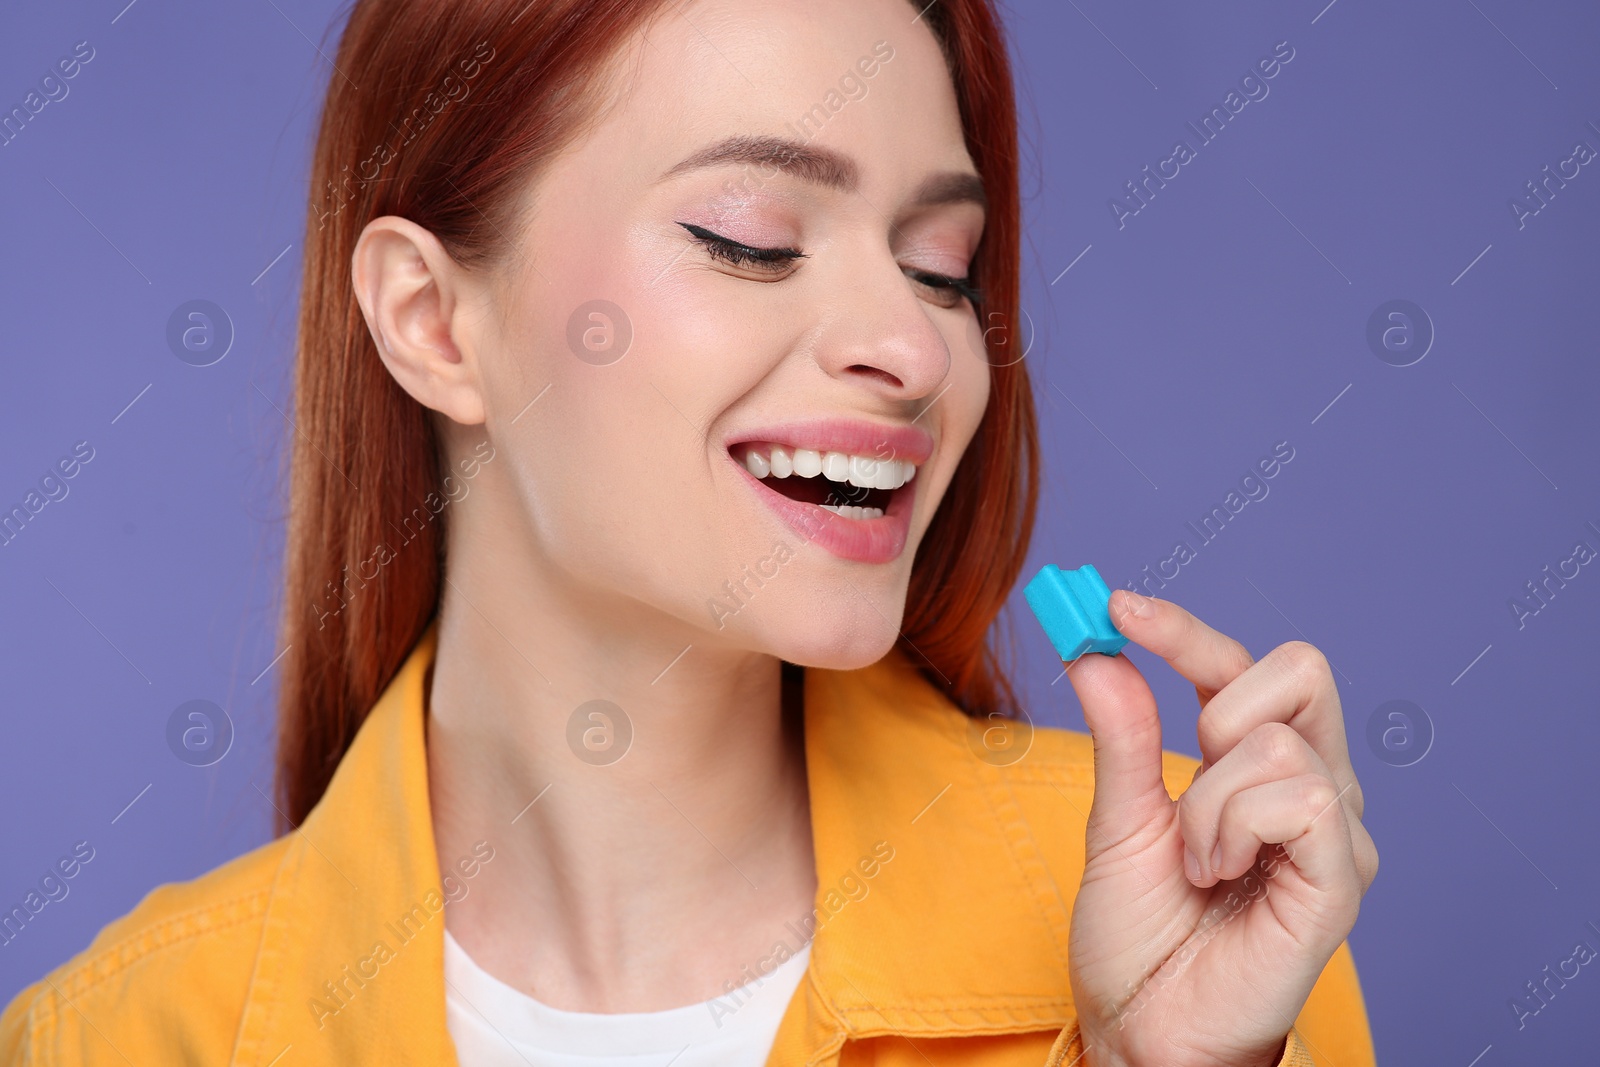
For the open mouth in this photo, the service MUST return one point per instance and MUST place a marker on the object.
(852, 486)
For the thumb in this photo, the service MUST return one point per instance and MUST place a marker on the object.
(1120, 711)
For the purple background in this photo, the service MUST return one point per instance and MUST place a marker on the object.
(1228, 315)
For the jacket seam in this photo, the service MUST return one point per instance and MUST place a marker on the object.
(841, 1029)
(261, 1000)
(1062, 923)
(1063, 773)
(1030, 1023)
(1030, 868)
(44, 1009)
(987, 1004)
(40, 1021)
(255, 966)
(156, 936)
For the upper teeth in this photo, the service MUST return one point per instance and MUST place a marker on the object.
(867, 472)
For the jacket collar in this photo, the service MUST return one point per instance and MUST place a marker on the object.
(961, 931)
(964, 930)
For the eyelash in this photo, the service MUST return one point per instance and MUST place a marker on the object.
(749, 256)
(741, 255)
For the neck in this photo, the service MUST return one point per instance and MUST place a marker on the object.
(647, 849)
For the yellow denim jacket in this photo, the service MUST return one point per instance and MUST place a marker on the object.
(952, 951)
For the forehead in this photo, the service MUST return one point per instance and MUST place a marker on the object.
(866, 78)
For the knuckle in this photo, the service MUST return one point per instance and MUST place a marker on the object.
(1356, 799)
(1303, 659)
(1365, 855)
(1316, 794)
(1277, 746)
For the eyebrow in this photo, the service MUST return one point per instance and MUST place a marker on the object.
(823, 166)
(952, 187)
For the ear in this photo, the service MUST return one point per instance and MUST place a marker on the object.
(410, 291)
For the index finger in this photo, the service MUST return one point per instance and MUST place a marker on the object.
(1211, 660)
(1207, 657)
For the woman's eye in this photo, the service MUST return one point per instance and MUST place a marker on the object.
(947, 290)
(775, 261)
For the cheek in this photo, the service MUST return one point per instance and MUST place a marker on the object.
(971, 371)
(616, 475)
(971, 374)
(960, 409)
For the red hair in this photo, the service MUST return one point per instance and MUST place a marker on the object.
(512, 82)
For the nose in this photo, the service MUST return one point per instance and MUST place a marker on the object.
(879, 334)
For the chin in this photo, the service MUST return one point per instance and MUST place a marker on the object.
(841, 648)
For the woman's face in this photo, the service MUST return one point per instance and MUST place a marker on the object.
(742, 270)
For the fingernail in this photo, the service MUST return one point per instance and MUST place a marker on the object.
(1216, 857)
(1191, 866)
(1137, 604)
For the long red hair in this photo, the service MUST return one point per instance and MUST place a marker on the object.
(438, 112)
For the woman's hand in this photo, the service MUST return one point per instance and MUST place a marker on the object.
(1183, 963)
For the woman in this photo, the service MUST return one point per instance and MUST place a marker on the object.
(660, 468)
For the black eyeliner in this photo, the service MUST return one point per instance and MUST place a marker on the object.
(963, 286)
(761, 255)
(727, 248)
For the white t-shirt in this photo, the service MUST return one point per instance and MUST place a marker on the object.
(494, 1025)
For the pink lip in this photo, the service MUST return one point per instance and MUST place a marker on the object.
(879, 540)
(910, 443)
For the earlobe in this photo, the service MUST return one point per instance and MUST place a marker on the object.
(408, 287)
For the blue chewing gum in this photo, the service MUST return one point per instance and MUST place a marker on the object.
(1072, 608)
